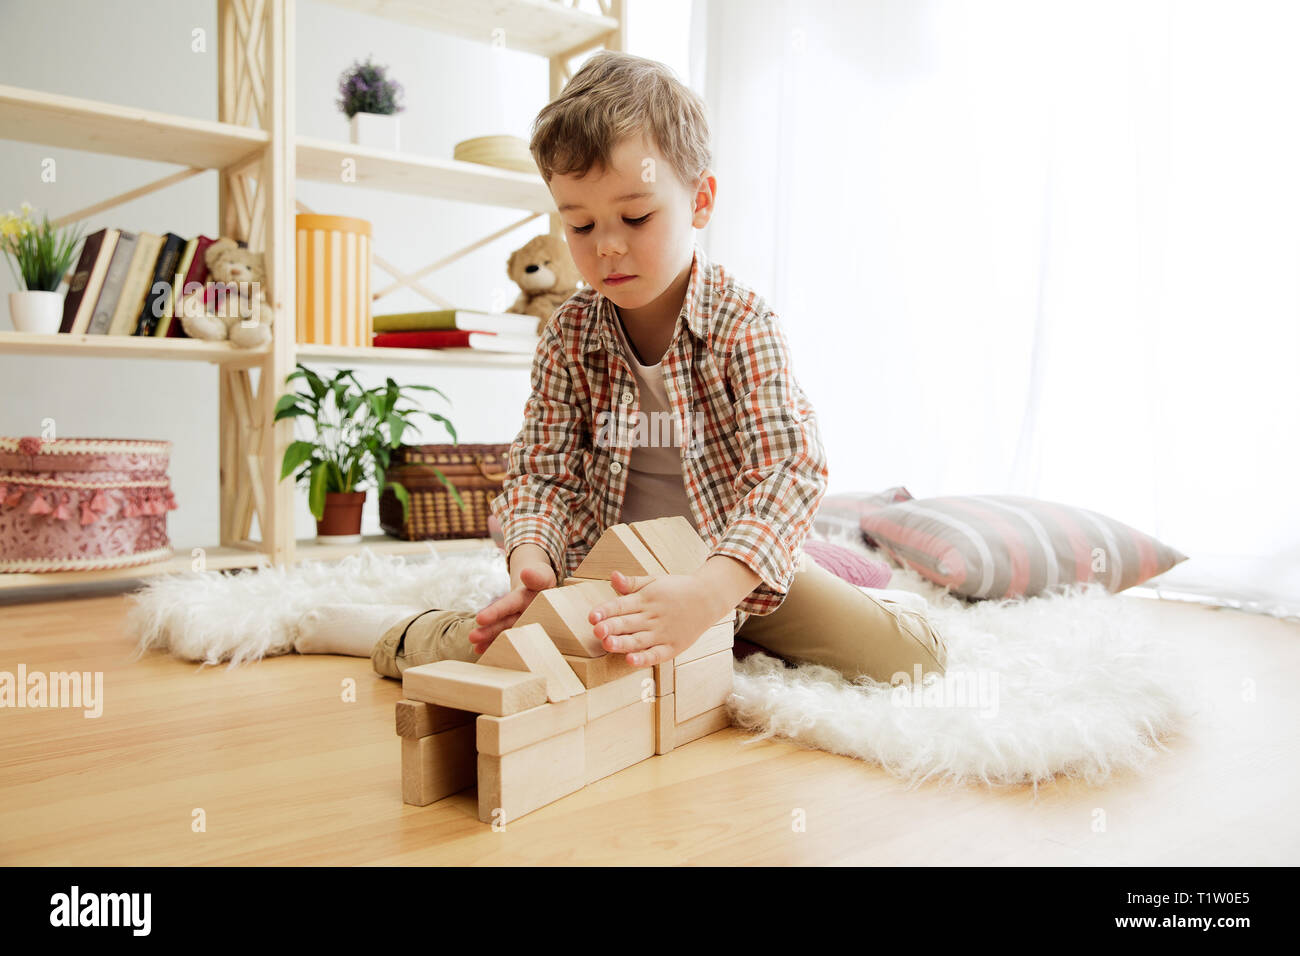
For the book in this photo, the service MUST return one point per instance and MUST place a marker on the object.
(102, 316)
(463, 319)
(178, 283)
(197, 273)
(136, 285)
(457, 338)
(157, 300)
(83, 284)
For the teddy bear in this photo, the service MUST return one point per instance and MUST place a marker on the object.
(543, 268)
(233, 303)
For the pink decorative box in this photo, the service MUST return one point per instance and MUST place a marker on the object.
(83, 504)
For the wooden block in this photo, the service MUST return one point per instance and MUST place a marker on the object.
(665, 723)
(529, 649)
(702, 725)
(594, 671)
(619, 739)
(437, 765)
(563, 612)
(628, 689)
(619, 549)
(664, 672)
(503, 735)
(415, 718)
(523, 780)
(719, 637)
(469, 685)
(702, 684)
(568, 581)
(676, 545)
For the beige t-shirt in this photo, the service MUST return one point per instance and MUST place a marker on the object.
(655, 487)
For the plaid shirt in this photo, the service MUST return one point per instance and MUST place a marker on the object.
(753, 464)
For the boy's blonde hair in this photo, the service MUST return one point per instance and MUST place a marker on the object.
(613, 96)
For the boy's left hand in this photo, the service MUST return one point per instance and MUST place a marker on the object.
(655, 618)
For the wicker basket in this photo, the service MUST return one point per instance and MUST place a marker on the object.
(83, 504)
(477, 471)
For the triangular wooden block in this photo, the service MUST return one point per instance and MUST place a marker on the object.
(676, 545)
(619, 549)
(528, 648)
(562, 613)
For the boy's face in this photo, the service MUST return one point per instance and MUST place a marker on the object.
(648, 237)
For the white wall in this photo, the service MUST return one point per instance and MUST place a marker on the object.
(139, 53)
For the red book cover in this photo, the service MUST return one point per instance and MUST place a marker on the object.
(453, 338)
(198, 273)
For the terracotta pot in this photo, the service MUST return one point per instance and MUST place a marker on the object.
(342, 515)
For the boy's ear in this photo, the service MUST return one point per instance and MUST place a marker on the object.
(706, 192)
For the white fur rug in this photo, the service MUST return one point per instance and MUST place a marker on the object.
(1079, 685)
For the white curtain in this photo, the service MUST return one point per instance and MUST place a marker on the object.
(1036, 247)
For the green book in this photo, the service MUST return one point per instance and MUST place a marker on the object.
(463, 319)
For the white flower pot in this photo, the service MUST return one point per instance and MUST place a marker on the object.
(36, 311)
(377, 130)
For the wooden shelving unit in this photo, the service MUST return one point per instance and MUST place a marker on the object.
(258, 155)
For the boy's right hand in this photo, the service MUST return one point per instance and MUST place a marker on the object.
(502, 613)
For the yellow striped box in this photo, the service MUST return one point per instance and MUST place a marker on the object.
(334, 281)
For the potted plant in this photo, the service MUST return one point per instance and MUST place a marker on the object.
(356, 429)
(371, 101)
(44, 254)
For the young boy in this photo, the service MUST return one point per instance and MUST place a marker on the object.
(662, 332)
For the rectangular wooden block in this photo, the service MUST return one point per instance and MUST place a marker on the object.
(619, 739)
(665, 723)
(415, 718)
(503, 735)
(437, 765)
(619, 693)
(664, 683)
(568, 581)
(465, 685)
(523, 780)
(594, 671)
(719, 637)
(702, 684)
(563, 613)
(702, 725)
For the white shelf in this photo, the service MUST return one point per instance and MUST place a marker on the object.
(33, 116)
(128, 346)
(444, 358)
(321, 161)
(544, 27)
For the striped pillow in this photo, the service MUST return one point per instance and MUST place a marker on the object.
(1003, 546)
(842, 513)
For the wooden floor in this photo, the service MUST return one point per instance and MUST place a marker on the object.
(286, 771)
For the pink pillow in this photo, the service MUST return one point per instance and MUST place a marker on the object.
(1004, 546)
(848, 565)
(842, 514)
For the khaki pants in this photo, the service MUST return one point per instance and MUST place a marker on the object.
(823, 620)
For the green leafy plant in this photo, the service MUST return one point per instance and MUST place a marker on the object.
(356, 429)
(44, 254)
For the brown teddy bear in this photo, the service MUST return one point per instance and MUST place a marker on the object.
(545, 271)
(233, 304)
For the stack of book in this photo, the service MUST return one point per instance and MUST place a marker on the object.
(457, 329)
(132, 283)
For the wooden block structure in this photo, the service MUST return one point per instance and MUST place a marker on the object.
(546, 711)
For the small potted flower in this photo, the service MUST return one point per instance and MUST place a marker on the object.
(371, 101)
(355, 431)
(44, 255)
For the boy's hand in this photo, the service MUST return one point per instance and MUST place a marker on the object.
(656, 618)
(502, 613)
